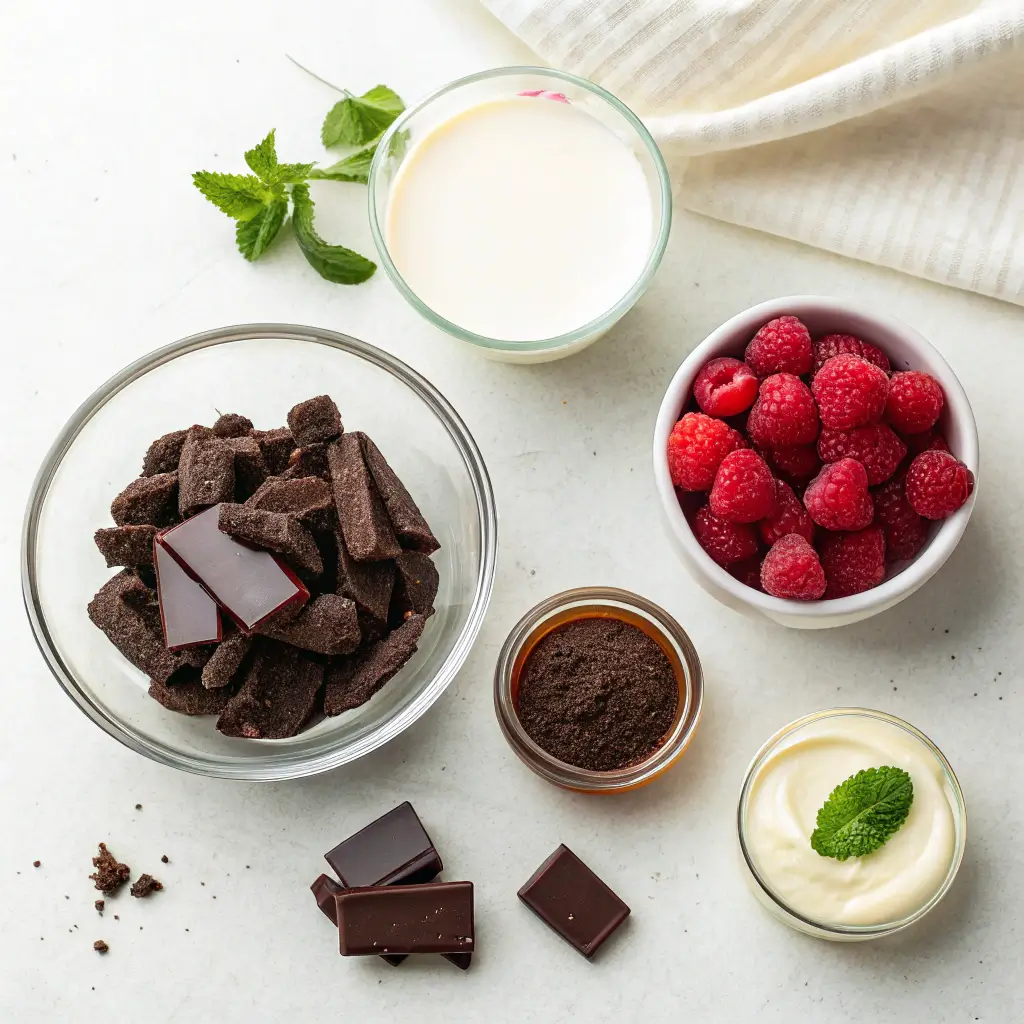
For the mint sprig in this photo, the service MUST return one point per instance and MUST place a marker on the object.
(357, 120)
(863, 813)
(334, 262)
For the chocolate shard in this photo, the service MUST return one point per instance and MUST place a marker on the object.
(310, 460)
(352, 681)
(126, 545)
(250, 468)
(364, 522)
(163, 454)
(206, 472)
(326, 625)
(276, 445)
(224, 664)
(309, 499)
(415, 586)
(406, 518)
(277, 697)
(369, 584)
(316, 419)
(274, 531)
(573, 902)
(436, 917)
(188, 615)
(147, 501)
(187, 695)
(231, 424)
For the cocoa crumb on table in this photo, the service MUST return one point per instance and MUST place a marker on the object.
(144, 885)
(99, 905)
(36, 863)
(110, 874)
(164, 859)
(101, 947)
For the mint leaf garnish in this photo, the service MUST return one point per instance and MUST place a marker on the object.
(333, 262)
(863, 813)
(292, 174)
(255, 235)
(262, 159)
(352, 168)
(238, 195)
(357, 120)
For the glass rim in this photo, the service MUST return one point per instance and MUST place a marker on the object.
(599, 323)
(570, 776)
(958, 809)
(282, 764)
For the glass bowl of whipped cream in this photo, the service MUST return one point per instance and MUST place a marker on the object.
(859, 897)
(522, 210)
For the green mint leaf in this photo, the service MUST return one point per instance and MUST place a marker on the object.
(357, 120)
(241, 196)
(262, 159)
(863, 813)
(255, 235)
(352, 168)
(333, 262)
(292, 174)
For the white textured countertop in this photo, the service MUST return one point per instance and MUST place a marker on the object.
(109, 252)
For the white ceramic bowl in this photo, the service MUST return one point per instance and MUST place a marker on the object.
(906, 350)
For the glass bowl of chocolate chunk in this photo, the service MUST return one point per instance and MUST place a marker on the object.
(259, 552)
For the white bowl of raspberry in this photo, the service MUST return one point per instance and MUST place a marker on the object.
(816, 463)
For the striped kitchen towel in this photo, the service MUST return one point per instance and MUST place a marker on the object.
(887, 130)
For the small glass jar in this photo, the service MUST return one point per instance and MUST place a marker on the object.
(770, 899)
(421, 118)
(597, 602)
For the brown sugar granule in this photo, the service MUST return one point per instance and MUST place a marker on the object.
(598, 693)
(110, 874)
(144, 885)
(100, 946)
(99, 905)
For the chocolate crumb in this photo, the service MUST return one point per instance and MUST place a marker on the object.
(101, 947)
(144, 886)
(99, 905)
(36, 863)
(138, 807)
(164, 859)
(116, 918)
(110, 874)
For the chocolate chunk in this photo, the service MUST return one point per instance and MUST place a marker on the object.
(307, 498)
(250, 467)
(110, 873)
(276, 445)
(572, 901)
(101, 947)
(436, 917)
(144, 886)
(352, 681)
(206, 472)
(406, 518)
(326, 625)
(186, 694)
(126, 545)
(188, 615)
(308, 461)
(364, 523)
(163, 454)
(369, 584)
(249, 585)
(415, 586)
(274, 531)
(223, 666)
(147, 501)
(316, 419)
(230, 424)
(324, 890)
(277, 697)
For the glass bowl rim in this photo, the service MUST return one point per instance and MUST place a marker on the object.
(269, 767)
(598, 324)
(569, 776)
(959, 810)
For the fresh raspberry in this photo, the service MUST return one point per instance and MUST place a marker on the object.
(937, 484)
(748, 572)
(838, 499)
(781, 346)
(853, 562)
(725, 542)
(928, 440)
(792, 570)
(744, 489)
(876, 447)
(696, 447)
(725, 387)
(839, 344)
(790, 517)
(798, 463)
(914, 402)
(784, 413)
(850, 392)
(905, 531)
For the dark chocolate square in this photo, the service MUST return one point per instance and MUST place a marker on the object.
(147, 501)
(163, 454)
(126, 545)
(231, 424)
(316, 419)
(327, 624)
(277, 446)
(250, 467)
(206, 472)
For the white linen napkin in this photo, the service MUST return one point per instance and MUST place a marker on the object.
(891, 131)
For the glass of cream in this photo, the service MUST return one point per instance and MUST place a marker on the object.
(523, 210)
(866, 897)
